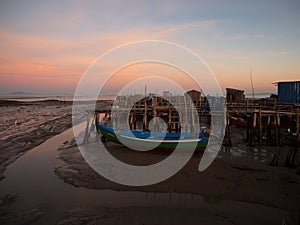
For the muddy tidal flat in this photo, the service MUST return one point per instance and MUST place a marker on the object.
(25, 125)
(45, 180)
(249, 187)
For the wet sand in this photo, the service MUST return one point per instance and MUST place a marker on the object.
(141, 215)
(25, 125)
(228, 177)
(239, 173)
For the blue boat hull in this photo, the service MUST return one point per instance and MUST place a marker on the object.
(141, 139)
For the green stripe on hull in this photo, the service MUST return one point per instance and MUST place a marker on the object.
(140, 143)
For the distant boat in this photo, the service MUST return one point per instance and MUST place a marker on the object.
(241, 121)
(238, 121)
(160, 140)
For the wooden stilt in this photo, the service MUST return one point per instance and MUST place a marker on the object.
(293, 148)
(297, 119)
(248, 129)
(252, 131)
(227, 138)
(278, 129)
(260, 127)
(86, 134)
(269, 130)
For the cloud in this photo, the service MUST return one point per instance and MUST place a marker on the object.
(275, 53)
(204, 24)
(248, 36)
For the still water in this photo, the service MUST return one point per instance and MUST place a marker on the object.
(32, 177)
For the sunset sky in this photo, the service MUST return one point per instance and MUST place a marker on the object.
(45, 46)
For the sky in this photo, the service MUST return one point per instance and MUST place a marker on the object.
(46, 46)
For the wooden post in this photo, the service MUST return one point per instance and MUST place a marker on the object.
(86, 134)
(193, 118)
(260, 127)
(254, 120)
(131, 121)
(169, 117)
(134, 120)
(274, 161)
(227, 140)
(145, 127)
(294, 143)
(252, 129)
(248, 128)
(297, 141)
(297, 119)
(97, 118)
(278, 128)
(269, 127)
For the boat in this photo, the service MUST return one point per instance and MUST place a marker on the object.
(141, 136)
(154, 140)
(239, 121)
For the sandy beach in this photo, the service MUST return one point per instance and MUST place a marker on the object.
(240, 187)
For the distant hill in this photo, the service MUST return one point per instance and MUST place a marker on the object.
(21, 93)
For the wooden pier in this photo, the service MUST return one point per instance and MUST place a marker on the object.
(140, 113)
(265, 122)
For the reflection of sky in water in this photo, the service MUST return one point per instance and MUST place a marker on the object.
(259, 153)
